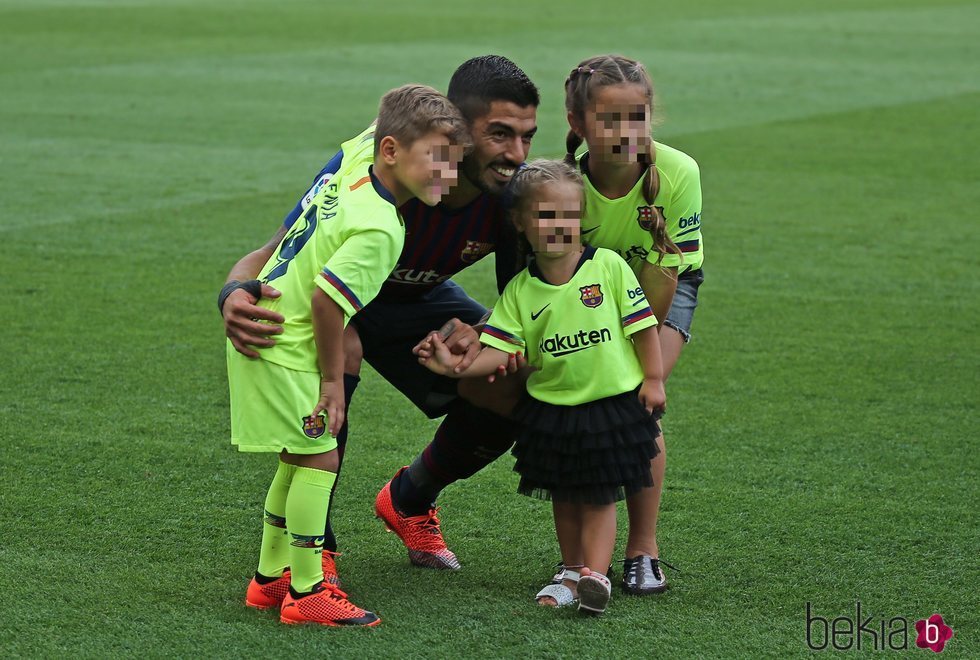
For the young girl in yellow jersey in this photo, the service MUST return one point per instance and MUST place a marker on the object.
(588, 424)
(643, 200)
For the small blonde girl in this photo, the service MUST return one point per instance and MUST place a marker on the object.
(588, 424)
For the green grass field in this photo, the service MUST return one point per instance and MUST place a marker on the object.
(822, 426)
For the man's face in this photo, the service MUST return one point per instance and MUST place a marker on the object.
(501, 141)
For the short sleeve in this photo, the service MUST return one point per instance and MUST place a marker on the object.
(503, 329)
(633, 306)
(353, 275)
(683, 216)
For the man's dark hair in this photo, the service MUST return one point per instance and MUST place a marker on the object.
(482, 80)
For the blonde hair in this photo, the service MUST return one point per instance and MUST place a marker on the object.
(580, 87)
(410, 112)
(526, 180)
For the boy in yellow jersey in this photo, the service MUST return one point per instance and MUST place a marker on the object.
(330, 264)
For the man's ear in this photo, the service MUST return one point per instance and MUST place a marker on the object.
(388, 150)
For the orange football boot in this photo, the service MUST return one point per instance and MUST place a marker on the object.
(420, 534)
(264, 596)
(327, 606)
(329, 562)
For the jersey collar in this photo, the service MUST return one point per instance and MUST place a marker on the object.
(533, 269)
(379, 188)
(583, 163)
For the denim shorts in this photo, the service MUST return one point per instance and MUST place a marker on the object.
(681, 312)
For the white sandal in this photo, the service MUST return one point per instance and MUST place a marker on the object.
(561, 594)
(594, 592)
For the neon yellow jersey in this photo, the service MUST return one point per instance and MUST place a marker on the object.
(615, 223)
(577, 334)
(356, 151)
(347, 243)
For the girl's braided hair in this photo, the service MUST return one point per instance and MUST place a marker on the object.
(580, 87)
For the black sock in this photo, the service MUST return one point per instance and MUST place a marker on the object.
(469, 439)
(350, 384)
(407, 496)
(300, 594)
(264, 579)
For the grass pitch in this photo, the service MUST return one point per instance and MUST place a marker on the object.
(822, 425)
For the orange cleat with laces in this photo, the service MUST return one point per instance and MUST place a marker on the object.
(326, 606)
(270, 594)
(420, 534)
(329, 562)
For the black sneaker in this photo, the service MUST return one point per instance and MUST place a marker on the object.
(642, 576)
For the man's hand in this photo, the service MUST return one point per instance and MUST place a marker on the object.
(459, 338)
(332, 402)
(242, 316)
(652, 395)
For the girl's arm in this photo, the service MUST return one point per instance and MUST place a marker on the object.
(659, 285)
(328, 332)
(647, 345)
(444, 363)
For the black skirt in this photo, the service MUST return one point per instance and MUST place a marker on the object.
(594, 453)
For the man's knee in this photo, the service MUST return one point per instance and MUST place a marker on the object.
(353, 351)
(500, 397)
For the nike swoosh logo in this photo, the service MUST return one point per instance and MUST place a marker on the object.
(534, 317)
(586, 231)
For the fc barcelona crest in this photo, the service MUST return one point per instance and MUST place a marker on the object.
(474, 251)
(314, 427)
(591, 295)
(645, 216)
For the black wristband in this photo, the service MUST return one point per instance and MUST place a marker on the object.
(254, 287)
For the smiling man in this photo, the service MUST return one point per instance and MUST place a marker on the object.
(499, 104)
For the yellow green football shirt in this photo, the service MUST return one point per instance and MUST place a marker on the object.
(577, 334)
(346, 243)
(615, 223)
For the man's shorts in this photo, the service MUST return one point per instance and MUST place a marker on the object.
(270, 407)
(681, 312)
(390, 329)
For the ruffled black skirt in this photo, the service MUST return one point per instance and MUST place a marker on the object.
(594, 453)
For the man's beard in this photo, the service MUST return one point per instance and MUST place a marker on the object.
(472, 171)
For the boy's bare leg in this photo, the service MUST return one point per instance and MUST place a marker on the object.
(327, 461)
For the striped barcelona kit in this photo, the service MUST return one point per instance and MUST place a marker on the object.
(439, 241)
